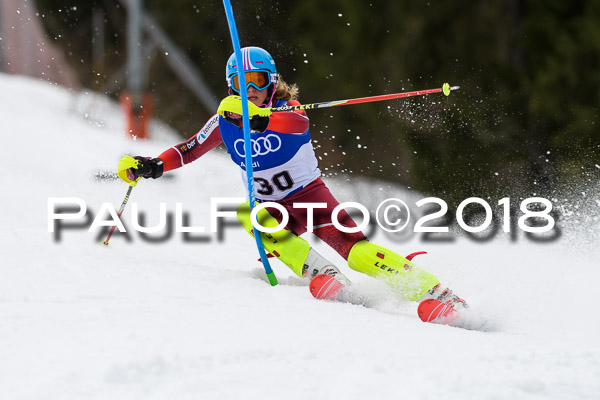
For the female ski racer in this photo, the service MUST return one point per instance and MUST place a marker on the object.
(286, 172)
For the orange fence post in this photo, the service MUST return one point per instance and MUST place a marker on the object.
(137, 115)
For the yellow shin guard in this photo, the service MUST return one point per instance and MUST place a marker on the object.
(285, 245)
(379, 262)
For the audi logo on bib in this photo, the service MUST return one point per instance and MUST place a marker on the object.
(260, 147)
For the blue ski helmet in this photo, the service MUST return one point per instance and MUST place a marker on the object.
(259, 66)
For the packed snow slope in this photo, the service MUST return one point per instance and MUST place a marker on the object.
(175, 319)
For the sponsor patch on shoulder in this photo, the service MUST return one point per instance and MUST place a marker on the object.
(207, 129)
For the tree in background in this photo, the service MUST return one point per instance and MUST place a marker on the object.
(524, 119)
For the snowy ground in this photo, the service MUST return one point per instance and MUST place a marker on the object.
(178, 320)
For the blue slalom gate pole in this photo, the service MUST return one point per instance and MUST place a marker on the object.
(247, 145)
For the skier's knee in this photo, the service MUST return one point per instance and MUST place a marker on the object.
(263, 217)
(283, 244)
(242, 214)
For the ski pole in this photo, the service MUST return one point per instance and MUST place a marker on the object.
(119, 214)
(446, 88)
(245, 115)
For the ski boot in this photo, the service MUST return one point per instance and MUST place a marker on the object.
(440, 306)
(328, 283)
(326, 280)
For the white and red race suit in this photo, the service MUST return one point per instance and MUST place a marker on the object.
(285, 169)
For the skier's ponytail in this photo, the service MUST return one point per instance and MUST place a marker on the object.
(285, 91)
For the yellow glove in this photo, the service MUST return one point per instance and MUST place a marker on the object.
(233, 104)
(125, 164)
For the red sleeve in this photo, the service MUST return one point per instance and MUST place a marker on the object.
(206, 139)
(294, 122)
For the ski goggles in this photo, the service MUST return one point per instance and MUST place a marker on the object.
(257, 79)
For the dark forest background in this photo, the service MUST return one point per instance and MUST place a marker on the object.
(524, 121)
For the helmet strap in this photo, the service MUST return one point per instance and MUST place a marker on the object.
(272, 88)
